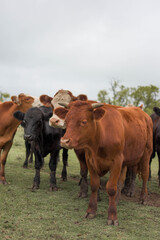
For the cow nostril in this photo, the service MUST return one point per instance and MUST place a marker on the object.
(67, 140)
(54, 121)
(27, 137)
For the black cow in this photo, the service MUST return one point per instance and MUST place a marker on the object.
(156, 139)
(44, 140)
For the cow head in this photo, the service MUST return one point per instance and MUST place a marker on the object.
(63, 97)
(156, 110)
(80, 119)
(24, 102)
(32, 122)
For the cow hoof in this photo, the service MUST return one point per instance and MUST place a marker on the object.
(82, 195)
(25, 166)
(53, 189)
(90, 215)
(142, 201)
(3, 182)
(130, 194)
(113, 222)
(124, 191)
(35, 187)
(64, 179)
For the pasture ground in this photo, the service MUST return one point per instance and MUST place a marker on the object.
(60, 215)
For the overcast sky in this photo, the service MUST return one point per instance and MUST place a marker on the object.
(79, 45)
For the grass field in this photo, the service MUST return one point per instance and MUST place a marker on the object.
(60, 215)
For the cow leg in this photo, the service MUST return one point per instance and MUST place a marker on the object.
(83, 172)
(38, 166)
(3, 158)
(94, 183)
(152, 156)
(133, 173)
(127, 181)
(31, 156)
(53, 165)
(111, 188)
(28, 147)
(65, 159)
(143, 167)
(121, 182)
(158, 153)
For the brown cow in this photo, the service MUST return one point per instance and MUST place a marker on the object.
(129, 186)
(8, 126)
(113, 139)
(65, 97)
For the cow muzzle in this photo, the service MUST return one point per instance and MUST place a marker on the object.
(53, 122)
(57, 123)
(28, 137)
(65, 143)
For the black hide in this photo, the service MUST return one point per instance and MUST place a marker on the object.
(43, 140)
(156, 138)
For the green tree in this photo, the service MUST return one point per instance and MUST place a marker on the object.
(4, 96)
(103, 96)
(146, 95)
(122, 96)
(114, 89)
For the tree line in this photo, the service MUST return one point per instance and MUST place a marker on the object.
(4, 96)
(120, 95)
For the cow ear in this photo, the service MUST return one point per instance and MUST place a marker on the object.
(98, 113)
(82, 97)
(21, 98)
(46, 100)
(19, 115)
(14, 99)
(47, 116)
(141, 106)
(156, 110)
(61, 112)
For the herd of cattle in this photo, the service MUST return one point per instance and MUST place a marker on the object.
(105, 138)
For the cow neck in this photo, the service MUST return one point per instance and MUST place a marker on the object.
(8, 123)
(21, 108)
(92, 145)
(92, 149)
(13, 109)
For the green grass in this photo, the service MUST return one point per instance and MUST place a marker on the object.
(60, 215)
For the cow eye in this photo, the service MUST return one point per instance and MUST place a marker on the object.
(23, 123)
(83, 123)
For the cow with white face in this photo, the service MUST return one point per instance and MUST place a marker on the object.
(63, 97)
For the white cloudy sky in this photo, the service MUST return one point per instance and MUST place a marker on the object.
(79, 45)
